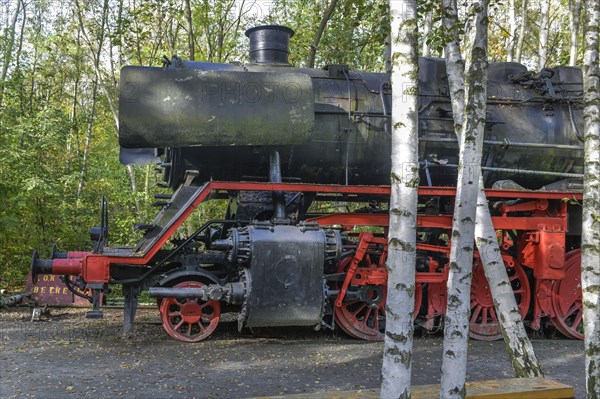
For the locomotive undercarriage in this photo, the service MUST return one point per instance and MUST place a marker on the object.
(306, 268)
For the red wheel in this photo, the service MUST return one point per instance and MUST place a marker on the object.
(366, 319)
(567, 298)
(483, 323)
(189, 320)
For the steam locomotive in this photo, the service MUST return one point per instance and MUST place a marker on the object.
(285, 146)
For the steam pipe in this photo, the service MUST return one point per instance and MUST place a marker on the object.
(507, 143)
(275, 177)
(519, 171)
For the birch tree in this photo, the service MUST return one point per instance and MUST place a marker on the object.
(10, 41)
(574, 18)
(397, 355)
(427, 28)
(320, 30)
(522, 30)
(519, 347)
(544, 31)
(456, 321)
(190, 29)
(512, 22)
(590, 239)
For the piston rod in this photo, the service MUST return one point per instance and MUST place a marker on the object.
(233, 293)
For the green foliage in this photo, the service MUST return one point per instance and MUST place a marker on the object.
(51, 181)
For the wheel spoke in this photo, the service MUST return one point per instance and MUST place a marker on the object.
(360, 308)
(475, 313)
(571, 310)
(493, 315)
(178, 326)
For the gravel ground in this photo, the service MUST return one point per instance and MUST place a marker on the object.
(67, 356)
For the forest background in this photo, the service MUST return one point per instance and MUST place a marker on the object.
(59, 82)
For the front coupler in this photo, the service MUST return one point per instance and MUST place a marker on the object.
(92, 269)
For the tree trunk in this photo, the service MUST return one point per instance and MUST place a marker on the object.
(574, 18)
(544, 31)
(512, 39)
(518, 345)
(456, 321)
(190, 28)
(10, 41)
(397, 355)
(88, 140)
(590, 239)
(519, 348)
(313, 48)
(427, 25)
(522, 30)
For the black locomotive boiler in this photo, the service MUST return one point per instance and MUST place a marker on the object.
(276, 141)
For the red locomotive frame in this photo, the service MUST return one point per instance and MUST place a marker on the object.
(532, 230)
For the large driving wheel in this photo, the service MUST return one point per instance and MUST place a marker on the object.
(189, 320)
(483, 323)
(365, 319)
(567, 298)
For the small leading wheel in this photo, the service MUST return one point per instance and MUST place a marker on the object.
(365, 319)
(483, 323)
(567, 298)
(189, 320)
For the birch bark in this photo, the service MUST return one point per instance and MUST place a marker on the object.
(544, 31)
(456, 322)
(397, 356)
(427, 25)
(522, 30)
(512, 22)
(519, 347)
(590, 239)
(574, 18)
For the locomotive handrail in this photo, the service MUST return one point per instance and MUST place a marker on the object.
(384, 190)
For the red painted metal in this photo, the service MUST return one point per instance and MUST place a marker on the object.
(364, 241)
(567, 298)
(544, 252)
(536, 205)
(483, 323)
(441, 221)
(97, 269)
(189, 320)
(69, 266)
(385, 190)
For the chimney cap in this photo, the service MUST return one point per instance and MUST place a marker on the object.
(290, 31)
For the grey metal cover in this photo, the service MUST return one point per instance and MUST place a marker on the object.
(184, 107)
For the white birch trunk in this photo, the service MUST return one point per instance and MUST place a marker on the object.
(456, 321)
(427, 25)
(512, 22)
(590, 239)
(522, 30)
(544, 31)
(519, 347)
(574, 18)
(397, 355)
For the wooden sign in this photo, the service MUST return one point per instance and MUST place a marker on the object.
(50, 290)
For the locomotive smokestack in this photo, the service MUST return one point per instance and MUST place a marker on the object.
(270, 44)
